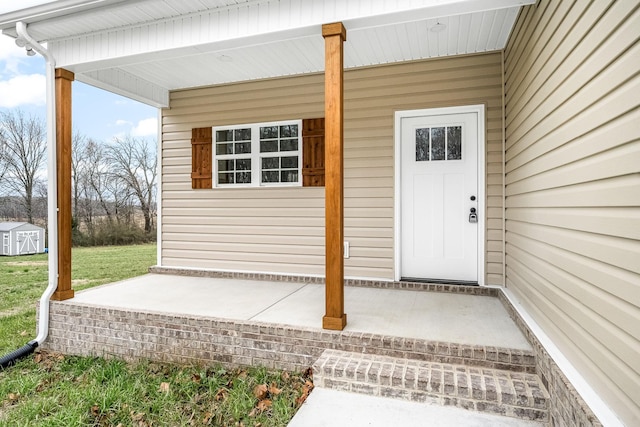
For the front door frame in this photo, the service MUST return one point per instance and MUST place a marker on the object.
(397, 234)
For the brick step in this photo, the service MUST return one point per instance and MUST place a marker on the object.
(441, 352)
(495, 391)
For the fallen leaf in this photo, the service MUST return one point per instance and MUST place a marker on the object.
(308, 374)
(207, 417)
(285, 376)
(242, 374)
(306, 389)
(221, 394)
(137, 416)
(38, 358)
(263, 405)
(196, 378)
(95, 410)
(274, 390)
(13, 397)
(24, 333)
(164, 387)
(260, 391)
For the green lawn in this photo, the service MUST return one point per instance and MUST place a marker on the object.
(57, 390)
(24, 278)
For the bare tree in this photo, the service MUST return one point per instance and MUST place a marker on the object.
(4, 164)
(25, 152)
(78, 168)
(134, 163)
(96, 179)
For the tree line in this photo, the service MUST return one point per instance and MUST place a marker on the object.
(113, 183)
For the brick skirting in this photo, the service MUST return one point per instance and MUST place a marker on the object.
(128, 334)
(567, 408)
(364, 283)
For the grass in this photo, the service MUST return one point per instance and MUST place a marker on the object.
(57, 390)
(24, 278)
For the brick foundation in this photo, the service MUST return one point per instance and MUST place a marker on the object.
(567, 409)
(128, 334)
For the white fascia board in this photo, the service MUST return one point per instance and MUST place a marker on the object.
(48, 10)
(253, 24)
(128, 85)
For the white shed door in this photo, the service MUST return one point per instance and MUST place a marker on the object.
(439, 184)
(27, 242)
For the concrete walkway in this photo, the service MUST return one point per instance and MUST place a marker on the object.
(332, 408)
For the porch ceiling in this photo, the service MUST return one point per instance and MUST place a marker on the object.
(145, 48)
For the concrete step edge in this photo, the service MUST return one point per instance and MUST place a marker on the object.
(495, 391)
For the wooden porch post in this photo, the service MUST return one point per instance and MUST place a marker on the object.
(334, 36)
(64, 79)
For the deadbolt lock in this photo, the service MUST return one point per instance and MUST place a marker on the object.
(473, 216)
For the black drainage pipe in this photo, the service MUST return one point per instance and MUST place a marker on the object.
(18, 354)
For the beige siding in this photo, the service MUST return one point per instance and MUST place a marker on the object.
(282, 230)
(573, 186)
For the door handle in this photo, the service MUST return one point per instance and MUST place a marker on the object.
(473, 216)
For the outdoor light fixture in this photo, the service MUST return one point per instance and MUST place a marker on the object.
(20, 42)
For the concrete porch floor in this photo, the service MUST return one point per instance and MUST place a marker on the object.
(449, 317)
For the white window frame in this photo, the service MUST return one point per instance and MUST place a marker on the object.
(256, 156)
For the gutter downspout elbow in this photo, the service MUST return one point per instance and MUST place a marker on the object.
(52, 185)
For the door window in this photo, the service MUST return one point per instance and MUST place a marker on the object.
(439, 143)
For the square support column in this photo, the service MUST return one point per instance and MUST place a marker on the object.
(334, 35)
(64, 80)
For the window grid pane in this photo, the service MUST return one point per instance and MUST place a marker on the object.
(454, 143)
(275, 155)
(279, 139)
(439, 143)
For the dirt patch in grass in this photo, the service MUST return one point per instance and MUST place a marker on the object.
(27, 263)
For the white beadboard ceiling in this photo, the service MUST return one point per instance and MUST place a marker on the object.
(145, 48)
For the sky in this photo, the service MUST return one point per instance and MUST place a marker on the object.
(97, 114)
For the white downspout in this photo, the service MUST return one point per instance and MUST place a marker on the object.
(52, 187)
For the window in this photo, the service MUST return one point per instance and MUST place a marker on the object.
(261, 154)
(439, 143)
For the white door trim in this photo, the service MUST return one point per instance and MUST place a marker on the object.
(397, 233)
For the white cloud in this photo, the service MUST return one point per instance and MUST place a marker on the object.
(123, 123)
(146, 127)
(11, 55)
(23, 90)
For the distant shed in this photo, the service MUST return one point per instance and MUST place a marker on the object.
(21, 238)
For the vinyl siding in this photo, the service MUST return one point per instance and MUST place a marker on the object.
(282, 229)
(573, 186)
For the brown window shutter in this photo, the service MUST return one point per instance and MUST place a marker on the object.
(201, 158)
(313, 152)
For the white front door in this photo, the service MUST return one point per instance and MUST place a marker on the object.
(440, 196)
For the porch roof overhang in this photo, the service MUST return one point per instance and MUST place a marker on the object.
(143, 49)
